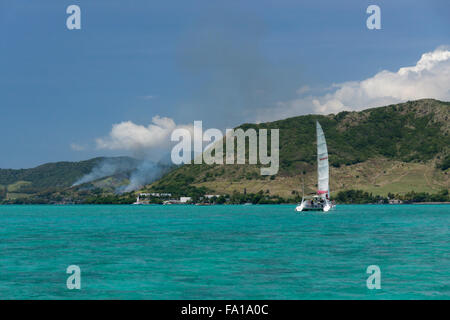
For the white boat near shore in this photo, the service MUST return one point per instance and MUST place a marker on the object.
(320, 201)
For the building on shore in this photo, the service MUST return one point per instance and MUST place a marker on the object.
(182, 200)
(155, 194)
(145, 198)
(210, 196)
(185, 199)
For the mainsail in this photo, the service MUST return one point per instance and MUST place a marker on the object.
(322, 163)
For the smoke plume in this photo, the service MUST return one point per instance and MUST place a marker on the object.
(109, 167)
(139, 172)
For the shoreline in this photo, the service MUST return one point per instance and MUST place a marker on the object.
(200, 205)
(430, 202)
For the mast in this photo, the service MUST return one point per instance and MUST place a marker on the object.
(303, 187)
(322, 163)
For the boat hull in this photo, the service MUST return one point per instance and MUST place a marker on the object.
(312, 209)
(325, 207)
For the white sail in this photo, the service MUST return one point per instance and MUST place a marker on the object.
(321, 201)
(322, 163)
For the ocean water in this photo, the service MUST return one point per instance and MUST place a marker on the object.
(224, 252)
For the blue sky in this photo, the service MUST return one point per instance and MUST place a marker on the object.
(217, 61)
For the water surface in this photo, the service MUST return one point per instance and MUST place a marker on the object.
(224, 252)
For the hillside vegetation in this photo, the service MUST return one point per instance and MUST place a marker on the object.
(54, 177)
(400, 149)
(397, 148)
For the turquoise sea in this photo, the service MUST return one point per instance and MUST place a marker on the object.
(224, 252)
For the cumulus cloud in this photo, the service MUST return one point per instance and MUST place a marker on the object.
(130, 136)
(428, 78)
(142, 141)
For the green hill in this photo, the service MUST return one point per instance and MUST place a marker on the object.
(397, 148)
(52, 177)
(394, 149)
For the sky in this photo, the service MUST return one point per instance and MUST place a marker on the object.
(136, 70)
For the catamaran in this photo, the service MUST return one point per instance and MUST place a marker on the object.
(320, 201)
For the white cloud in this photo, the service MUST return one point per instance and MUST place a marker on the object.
(429, 78)
(130, 136)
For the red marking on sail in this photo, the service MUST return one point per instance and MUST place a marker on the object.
(323, 158)
(322, 191)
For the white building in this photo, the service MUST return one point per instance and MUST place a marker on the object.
(209, 196)
(155, 194)
(185, 199)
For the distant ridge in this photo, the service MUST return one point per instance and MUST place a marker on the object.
(396, 148)
(393, 149)
(54, 176)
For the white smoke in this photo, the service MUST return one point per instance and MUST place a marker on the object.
(145, 173)
(108, 167)
(139, 172)
(147, 143)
